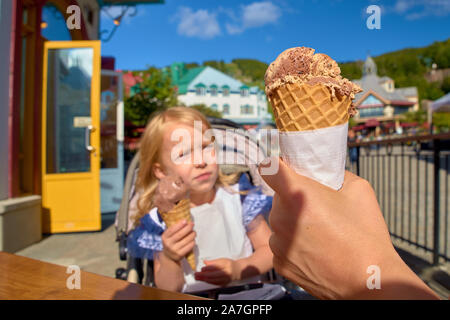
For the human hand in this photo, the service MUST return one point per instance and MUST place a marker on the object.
(178, 240)
(325, 240)
(219, 271)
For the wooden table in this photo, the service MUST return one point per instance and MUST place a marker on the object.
(23, 278)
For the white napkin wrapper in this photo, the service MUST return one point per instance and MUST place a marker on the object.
(317, 154)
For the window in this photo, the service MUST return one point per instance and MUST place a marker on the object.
(371, 112)
(200, 90)
(226, 109)
(400, 110)
(214, 107)
(244, 91)
(246, 109)
(225, 91)
(213, 90)
(371, 100)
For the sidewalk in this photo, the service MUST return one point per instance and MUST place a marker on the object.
(97, 252)
(436, 277)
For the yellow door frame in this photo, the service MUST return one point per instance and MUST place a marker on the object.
(79, 209)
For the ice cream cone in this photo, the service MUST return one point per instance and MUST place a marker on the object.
(312, 104)
(299, 107)
(179, 212)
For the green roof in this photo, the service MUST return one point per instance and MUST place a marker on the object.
(184, 81)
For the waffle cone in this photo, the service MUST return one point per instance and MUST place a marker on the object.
(179, 212)
(299, 107)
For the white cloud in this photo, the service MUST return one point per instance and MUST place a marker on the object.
(256, 14)
(233, 29)
(402, 6)
(204, 24)
(200, 24)
(416, 9)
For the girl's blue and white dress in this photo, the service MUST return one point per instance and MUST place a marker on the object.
(221, 228)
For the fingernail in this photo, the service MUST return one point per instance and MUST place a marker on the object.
(266, 162)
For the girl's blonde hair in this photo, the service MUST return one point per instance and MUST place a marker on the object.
(150, 146)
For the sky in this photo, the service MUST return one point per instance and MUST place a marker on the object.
(199, 30)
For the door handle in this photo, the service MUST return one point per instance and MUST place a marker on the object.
(87, 138)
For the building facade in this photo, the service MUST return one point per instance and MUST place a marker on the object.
(56, 118)
(218, 91)
(380, 100)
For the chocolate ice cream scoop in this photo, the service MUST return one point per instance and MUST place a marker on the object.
(169, 192)
(302, 65)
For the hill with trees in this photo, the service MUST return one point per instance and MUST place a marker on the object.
(407, 67)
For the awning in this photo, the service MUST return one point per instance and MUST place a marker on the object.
(408, 124)
(442, 104)
(372, 123)
(139, 129)
(388, 125)
(358, 128)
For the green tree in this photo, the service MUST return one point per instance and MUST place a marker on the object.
(419, 116)
(191, 65)
(219, 65)
(442, 121)
(207, 111)
(445, 86)
(154, 93)
(351, 70)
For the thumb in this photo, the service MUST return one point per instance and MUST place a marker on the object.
(282, 178)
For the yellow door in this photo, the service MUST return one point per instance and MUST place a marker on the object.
(71, 136)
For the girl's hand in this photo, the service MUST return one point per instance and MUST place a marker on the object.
(219, 272)
(178, 240)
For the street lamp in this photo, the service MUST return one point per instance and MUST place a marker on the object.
(117, 20)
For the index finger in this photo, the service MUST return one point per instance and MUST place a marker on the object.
(175, 228)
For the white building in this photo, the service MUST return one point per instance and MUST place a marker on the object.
(205, 85)
(380, 100)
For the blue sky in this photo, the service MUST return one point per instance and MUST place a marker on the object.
(199, 30)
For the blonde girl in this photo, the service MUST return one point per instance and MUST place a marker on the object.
(228, 234)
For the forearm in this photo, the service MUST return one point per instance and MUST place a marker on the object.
(169, 274)
(258, 263)
(398, 282)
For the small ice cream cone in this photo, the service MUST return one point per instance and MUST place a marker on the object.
(299, 107)
(179, 212)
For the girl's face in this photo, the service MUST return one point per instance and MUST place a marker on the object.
(193, 161)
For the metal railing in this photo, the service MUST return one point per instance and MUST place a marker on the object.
(410, 176)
